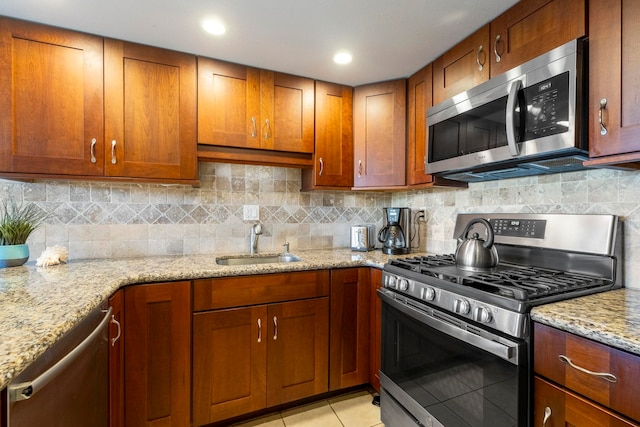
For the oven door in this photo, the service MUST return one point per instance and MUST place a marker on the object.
(443, 371)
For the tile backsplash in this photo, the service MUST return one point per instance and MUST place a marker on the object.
(101, 220)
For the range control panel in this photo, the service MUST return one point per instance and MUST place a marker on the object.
(531, 228)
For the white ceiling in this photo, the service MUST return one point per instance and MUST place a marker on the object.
(388, 38)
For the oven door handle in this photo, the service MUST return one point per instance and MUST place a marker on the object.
(498, 346)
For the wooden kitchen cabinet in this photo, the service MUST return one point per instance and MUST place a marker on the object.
(51, 108)
(333, 155)
(533, 27)
(258, 342)
(462, 67)
(419, 99)
(349, 331)
(68, 93)
(116, 360)
(241, 107)
(157, 342)
(379, 134)
(375, 325)
(565, 408)
(553, 349)
(613, 81)
(150, 112)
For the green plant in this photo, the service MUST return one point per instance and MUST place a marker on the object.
(18, 221)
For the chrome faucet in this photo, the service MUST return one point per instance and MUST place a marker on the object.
(286, 248)
(256, 231)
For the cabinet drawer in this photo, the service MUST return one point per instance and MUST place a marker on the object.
(211, 294)
(567, 409)
(550, 344)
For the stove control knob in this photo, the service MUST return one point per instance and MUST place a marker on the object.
(482, 315)
(461, 306)
(428, 294)
(403, 284)
(391, 281)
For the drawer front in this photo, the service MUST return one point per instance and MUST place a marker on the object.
(227, 292)
(563, 408)
(612, 377)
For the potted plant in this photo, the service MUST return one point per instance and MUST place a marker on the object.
(17, 222)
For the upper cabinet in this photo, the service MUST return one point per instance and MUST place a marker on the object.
(533, 27)
(241, 107)
(419, 99)
(614, 113)
(51, 108)
(333, 157)
(56, 120)
(379, 130)
(150, 112)
(528, 29)
(462, 67)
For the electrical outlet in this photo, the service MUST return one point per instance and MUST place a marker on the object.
(251, 212)
(420, 215)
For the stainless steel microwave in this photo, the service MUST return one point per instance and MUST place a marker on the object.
(530, 120)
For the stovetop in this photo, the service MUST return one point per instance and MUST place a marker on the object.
(521, 283)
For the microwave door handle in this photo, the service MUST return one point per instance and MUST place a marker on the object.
(512, 99)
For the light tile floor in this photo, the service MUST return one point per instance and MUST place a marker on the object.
(348, 410)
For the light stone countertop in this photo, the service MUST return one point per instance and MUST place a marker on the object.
(611, 318)
(38, 305)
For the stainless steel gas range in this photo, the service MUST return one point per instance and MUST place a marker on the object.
(456, 343)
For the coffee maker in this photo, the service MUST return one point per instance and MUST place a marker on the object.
(395, 234)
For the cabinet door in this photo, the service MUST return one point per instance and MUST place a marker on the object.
(228, 104)
(379, 134)
(150, 112)
(116, 360)
(297, 359)
(349, 334)
(563, 408)
(614, 38)
(51, 110)
(533, 27)
(287, 107)
(419, 99)
(333, 165)
(464, 66)
(229, 363)
(375, 326)
(158, 355)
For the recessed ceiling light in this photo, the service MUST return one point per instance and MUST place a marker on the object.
(214, 26)
(342, 57)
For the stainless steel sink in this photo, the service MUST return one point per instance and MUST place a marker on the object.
(257, 259)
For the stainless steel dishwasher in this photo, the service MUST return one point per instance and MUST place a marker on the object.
(68, 385)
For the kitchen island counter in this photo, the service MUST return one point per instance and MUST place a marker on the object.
(611, 318)
(38, 305)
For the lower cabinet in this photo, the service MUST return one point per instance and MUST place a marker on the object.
(116, 360)
(157, 357)
(375, 328)
(349, 334)
(249, 357)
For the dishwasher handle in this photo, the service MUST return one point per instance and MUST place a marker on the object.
(25, 390)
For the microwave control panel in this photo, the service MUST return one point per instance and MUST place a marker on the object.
(547, 107)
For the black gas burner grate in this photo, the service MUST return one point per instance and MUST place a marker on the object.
(522, 283)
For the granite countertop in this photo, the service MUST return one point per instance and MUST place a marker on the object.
(38, 305)
(611, 318)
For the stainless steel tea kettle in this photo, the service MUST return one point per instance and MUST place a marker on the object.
(476, 254)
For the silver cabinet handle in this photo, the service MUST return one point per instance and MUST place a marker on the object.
(321, 167)
(512, 99)
(275, 325)
(267, 133)
(359, 168)
(93, 150)
(113, 152)
(254, 128)
(259, 330)
(115, 321)
(480, 64)
(495, 48)
(25, 390)
(603, 105)
(604, 375)
(547, 415)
